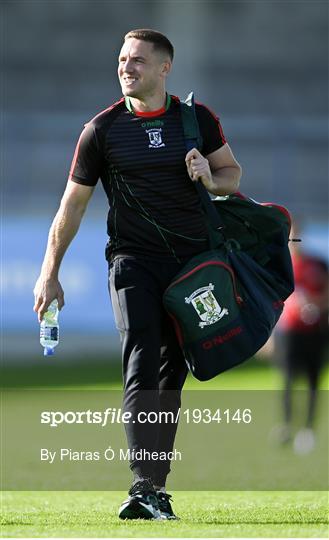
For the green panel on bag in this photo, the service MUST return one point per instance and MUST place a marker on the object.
(203, 302)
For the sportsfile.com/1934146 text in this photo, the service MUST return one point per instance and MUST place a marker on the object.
(117, 416)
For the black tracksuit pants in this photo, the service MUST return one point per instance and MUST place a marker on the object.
(154, 369)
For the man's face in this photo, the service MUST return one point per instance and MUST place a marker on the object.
(141, 69)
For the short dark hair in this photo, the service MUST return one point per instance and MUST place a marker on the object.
(160, 41)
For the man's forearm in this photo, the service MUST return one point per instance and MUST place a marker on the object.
(63, 229)
(225, 180)
(62, 232)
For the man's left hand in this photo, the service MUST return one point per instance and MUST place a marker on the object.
(198, 168)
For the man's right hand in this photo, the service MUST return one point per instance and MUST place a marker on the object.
(45, 291)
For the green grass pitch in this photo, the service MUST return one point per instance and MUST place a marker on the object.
(203, 515)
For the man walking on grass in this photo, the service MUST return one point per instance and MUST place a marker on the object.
(155, 225)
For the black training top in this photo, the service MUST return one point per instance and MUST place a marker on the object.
(140, 158)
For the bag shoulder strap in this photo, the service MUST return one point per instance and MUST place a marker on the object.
(193, 139)
(192, 134)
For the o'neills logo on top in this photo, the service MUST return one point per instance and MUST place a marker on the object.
(219, 340)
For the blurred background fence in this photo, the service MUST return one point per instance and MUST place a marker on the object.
(261, 65)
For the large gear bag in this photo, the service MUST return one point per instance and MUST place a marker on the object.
(225, 302)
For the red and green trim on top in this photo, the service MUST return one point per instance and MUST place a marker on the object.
(148, 114)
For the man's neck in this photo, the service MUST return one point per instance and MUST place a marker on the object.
(151, 104)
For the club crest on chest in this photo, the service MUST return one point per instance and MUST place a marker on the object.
(155, 137)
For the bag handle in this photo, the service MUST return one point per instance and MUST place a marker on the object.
(193, 139)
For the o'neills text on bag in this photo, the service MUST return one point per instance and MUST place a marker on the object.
(219, 340)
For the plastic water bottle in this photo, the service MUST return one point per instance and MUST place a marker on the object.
(49, 329)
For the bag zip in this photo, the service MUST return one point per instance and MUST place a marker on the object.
(209, 263)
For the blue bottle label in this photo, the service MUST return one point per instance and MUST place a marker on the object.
(49, 333)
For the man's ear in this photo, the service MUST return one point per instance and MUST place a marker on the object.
(166, 68)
